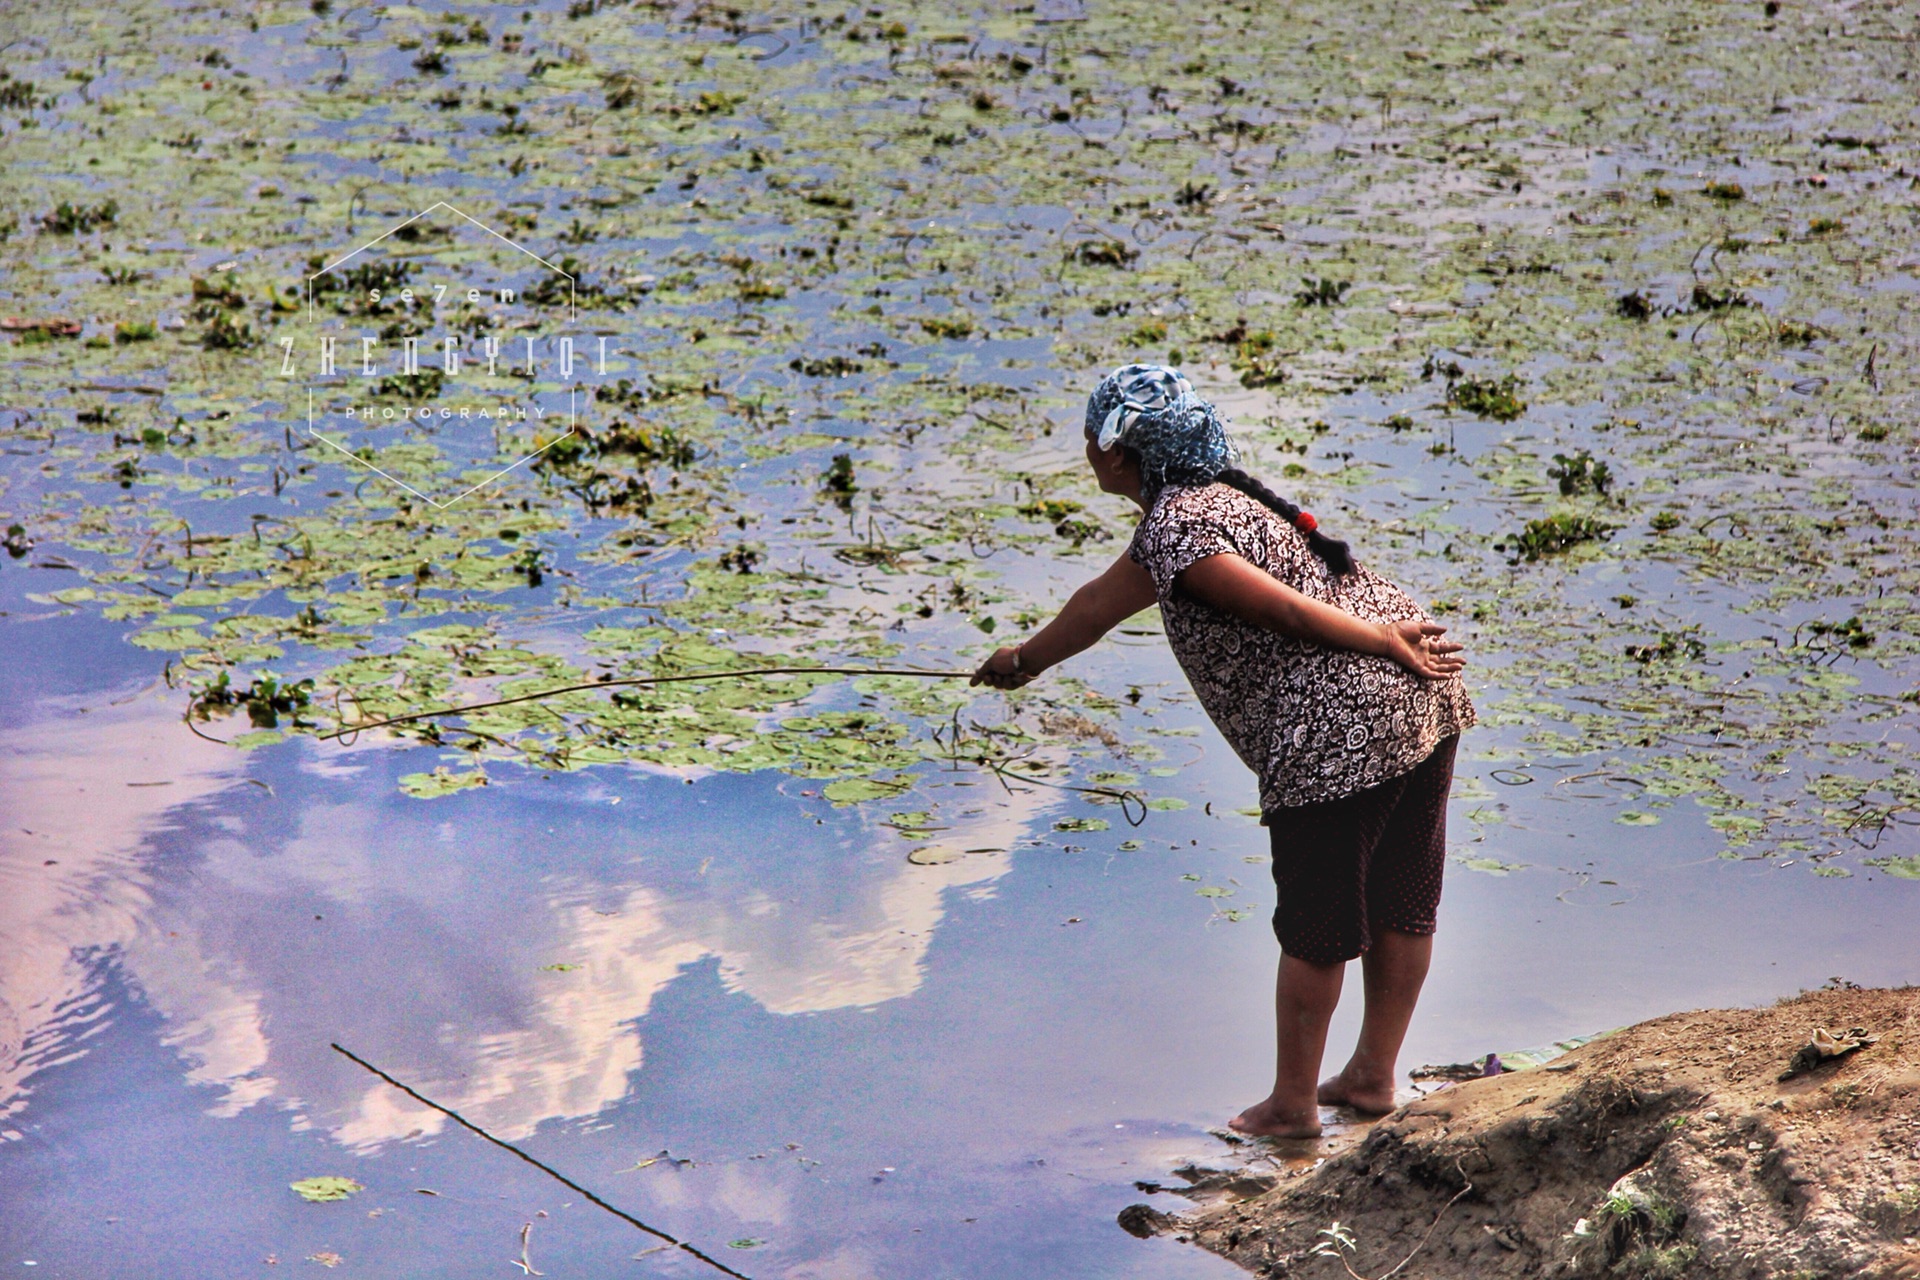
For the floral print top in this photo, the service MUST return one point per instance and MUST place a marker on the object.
(1315, 723)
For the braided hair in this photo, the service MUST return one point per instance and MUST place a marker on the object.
(1337, 554)
(1178, 438)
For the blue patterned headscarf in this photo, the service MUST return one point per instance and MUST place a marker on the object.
(1153, 411)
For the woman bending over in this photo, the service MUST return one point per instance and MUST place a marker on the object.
(1327, 680)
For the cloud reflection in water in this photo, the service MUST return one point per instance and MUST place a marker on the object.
(494, 948)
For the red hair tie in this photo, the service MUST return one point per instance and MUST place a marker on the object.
(1305, 522)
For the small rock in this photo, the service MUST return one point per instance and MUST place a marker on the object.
(1145, 1221)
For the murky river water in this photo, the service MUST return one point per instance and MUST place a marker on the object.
(776, 965)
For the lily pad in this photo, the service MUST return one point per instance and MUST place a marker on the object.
(442, 781)
(325, 1187)
(858, 790)
(258, 738)
(934, 855)
(1904, 868)
(1491, 866)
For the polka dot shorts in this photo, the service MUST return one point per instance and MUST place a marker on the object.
(1366, 861)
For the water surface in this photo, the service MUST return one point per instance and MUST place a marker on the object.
(777, 966)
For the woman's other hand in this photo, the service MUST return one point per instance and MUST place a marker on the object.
(999, 670)
(1418, 647)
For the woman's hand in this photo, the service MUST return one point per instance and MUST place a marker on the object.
(998, 670)
(1237, 586)
(1417, 646)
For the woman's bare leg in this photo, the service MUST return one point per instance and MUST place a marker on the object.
(1394, 971)
(1304, 998)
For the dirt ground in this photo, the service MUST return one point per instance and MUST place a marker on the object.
(1670, 1149)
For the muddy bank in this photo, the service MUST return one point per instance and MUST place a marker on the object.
(1672, 1148)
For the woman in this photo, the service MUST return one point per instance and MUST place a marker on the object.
(1326, 679)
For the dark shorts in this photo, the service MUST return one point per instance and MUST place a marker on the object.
(1368, 861)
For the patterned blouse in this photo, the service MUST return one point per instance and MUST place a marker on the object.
(1315, 723)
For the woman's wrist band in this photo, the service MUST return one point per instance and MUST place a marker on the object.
(1017, 668)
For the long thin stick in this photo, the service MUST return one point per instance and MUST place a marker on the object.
(998, 767)
(549, 1170)
(636, 680)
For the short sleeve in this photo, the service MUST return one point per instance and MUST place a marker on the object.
(1174, 535)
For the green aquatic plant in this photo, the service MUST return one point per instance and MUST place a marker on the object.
(648, 445)
(343, 571)
(1705, 299)
(1670, 645)
(351, 290)
(1102, 253)
(838, 480)
(1553, 534)
(1580, 473)
(1321, 292)
(224, 333)
(442, 781)
(1798, 333)
(951, 327)
(1052, 510)
(1851, 634)
(1263, 371)
(1148, 333)
(835, 366)
(1495, 398)
(69, 219)
(214, 292)
(17, 94)
(325, 1188)
(265, 700)
(1634, 306)
(1255, 358)
(427, 384)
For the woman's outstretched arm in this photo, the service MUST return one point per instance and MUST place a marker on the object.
(1092, 611)
(1235, 585)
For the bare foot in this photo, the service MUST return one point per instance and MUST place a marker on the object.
(1267, 1119)
(1368, 1100)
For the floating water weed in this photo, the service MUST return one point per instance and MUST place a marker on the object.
(1580, 473)
(1322, 292)
(1495, 398)
(69, 219)
(1634, 306)
(1550, 535)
